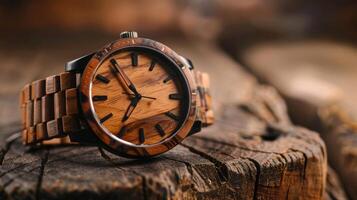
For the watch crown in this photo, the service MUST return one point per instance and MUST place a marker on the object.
(128, 34)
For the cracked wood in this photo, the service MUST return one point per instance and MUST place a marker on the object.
(320, 94)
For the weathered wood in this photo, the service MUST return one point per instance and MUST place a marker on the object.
(318, 80)
(251, 152)
(333, 190)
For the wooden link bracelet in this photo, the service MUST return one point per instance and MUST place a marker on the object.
(49, 109)
(205, 114)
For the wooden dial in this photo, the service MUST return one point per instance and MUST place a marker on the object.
(137, 97)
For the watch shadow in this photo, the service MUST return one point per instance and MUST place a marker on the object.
(84, 155)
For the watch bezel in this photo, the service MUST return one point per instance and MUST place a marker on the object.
(122, 148)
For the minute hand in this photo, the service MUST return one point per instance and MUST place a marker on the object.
(126, 79)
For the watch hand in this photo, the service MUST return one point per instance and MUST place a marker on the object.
(143, 96)
(126, 79)
(130, 109)
(147, 97)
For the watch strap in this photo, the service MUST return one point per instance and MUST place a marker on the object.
(205, 112)
(49, 109)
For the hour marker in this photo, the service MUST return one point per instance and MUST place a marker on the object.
(102, 79)
(160, 130)
(141, 135)
(172, 116)
(152, 65)
(134, 59)
(115, 65)
(167, 79)
(105, 118)
(122, 132)
(99, 98)
(175, 96)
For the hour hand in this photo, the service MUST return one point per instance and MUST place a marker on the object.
(130, 109)
(125, 78)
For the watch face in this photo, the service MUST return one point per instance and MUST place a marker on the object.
(139, 97)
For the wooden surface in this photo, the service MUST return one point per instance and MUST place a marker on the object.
(334, 189)
(251, 152)
(318, 80)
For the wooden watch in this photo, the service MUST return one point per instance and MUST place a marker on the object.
(134, 97)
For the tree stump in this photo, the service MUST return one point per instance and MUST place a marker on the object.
(251, 152)
(318, 81)
(333, 190)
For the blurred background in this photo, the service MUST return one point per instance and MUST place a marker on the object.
(306, 49)
(243, 21)
(46, 34)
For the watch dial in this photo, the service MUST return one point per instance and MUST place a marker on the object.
(139, 96)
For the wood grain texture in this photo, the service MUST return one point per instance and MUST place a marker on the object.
(318, 81)
(52, 84)
(48, 108)
(59, 104)
(52, 110)
(38, 89)
(334, 189)
(206, 114)
(251, 152)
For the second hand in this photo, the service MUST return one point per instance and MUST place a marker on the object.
(143, 96)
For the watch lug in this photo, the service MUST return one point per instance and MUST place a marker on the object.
(79, 64)
(197, 126)
(187, 62)
(190, 64)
